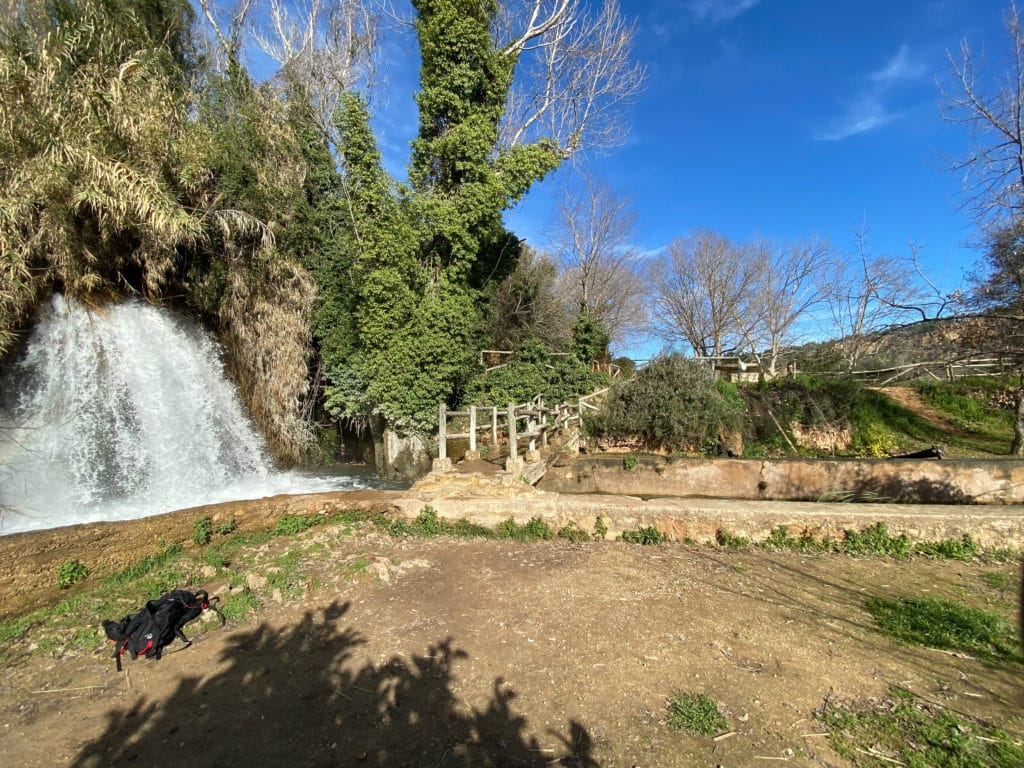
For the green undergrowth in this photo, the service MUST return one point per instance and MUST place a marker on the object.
(938, 623)
(979, 405)
(227, 555)
(877, 540)
(905, 730)
(982, 424)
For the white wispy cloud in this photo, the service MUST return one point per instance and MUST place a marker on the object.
(717, 11)
(900, 67)
(871, 108)
(866, 115)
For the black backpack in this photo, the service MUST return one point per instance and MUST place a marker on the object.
(147, 631)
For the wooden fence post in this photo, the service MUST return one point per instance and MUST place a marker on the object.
(442, 431)
(512, 436)
(494, 427)
(472, 428)
(543, 425)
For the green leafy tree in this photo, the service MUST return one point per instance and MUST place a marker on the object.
(533, 371)
(419, 257)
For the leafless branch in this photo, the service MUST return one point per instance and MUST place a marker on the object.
(993, 171)
(576, 74)
(701, 286)
(592, 239)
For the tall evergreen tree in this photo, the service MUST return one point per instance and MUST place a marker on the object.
(420, 256)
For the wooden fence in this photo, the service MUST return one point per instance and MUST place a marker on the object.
(938, 370)
(514, 424)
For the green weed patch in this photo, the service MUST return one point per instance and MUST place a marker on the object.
(906, 731)
(696, 713)
(647, 536)
(938, 623)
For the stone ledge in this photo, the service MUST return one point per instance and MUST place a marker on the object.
(701, 519)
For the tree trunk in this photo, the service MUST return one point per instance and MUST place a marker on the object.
(1017, 447)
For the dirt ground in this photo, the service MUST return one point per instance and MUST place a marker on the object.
(447, 652)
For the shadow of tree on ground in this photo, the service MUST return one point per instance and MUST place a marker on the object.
(288, 698)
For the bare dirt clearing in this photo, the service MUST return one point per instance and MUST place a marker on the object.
(448, 652)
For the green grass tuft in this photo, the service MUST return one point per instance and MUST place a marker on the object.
(726, 539)
(239, 606)
(69, 573)
(535, 529)
(572, 532)
(143, 567)
(939, 623)
(697, 713)
(291, 525)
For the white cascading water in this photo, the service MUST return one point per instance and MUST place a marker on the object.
(125, 412)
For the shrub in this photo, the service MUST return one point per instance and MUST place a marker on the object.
(573, 533)
(228, 526)
(69, 573)
(630, 461)
(427, 524)
(202, 530)
(726, 539)
(534, 371)
(647, 536)
(673, 403)
(533, 530)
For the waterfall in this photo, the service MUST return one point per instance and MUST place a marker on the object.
(125, 412)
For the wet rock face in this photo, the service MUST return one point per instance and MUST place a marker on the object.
(397, 455)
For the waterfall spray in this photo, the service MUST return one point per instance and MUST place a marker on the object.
(125, 412)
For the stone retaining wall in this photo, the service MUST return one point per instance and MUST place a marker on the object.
(905, 481)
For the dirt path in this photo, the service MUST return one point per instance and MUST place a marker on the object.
(446, 652)
(912, 401)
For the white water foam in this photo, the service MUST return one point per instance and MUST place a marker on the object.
(125, 412)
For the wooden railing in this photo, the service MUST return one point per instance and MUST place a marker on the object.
(938, 370)
(529, 422)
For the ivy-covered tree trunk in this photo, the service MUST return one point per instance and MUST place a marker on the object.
(417, 258)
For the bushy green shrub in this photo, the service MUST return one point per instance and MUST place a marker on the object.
(202, 530)
(533, 371)
(673, 403)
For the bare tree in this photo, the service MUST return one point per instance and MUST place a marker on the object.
(576, 74)
(526, 304)
(701, 286)
(993, 172)
(867, 293)
(787, 284)
(994, 185)
(593, 241)
(323, 48)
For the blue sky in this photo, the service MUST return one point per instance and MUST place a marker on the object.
(791, 118)
(784, 118)
(787, 118)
